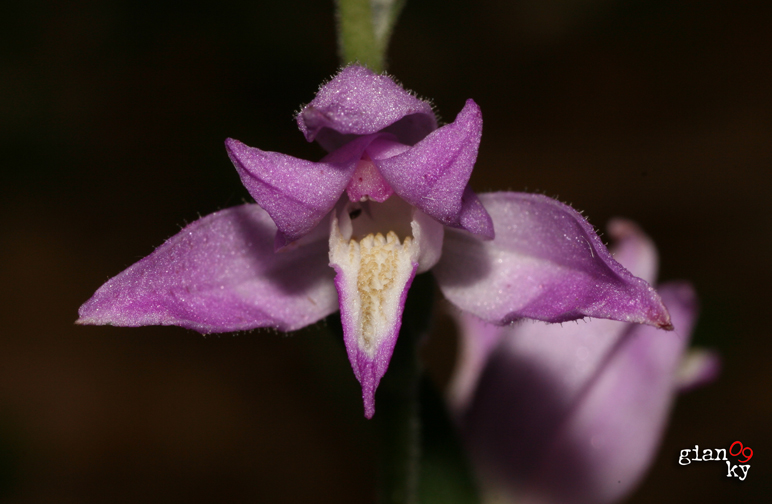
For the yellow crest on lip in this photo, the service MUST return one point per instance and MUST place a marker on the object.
(375, 271)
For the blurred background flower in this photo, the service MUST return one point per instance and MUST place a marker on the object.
(574, 413)
(112, 117)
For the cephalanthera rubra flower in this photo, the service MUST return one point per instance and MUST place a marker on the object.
(350, 232)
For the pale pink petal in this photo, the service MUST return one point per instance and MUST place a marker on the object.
(546, 263)
(221, 274)
(476, 340)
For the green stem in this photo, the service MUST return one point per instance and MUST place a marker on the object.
(364, 30)
(446, 474)
(421, 458)
(398, 412)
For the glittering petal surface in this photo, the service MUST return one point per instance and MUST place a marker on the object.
(221, 274)
(546, 263)
(576, 415)
(360, 102)
(433, 175)
(296, 193)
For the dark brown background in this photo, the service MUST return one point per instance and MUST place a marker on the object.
(112, 118)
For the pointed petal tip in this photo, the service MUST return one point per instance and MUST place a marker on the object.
(471, 108)
(312, 120)
(369, 403)
(369, 382)
(657, 314)
(668, 326)
(231, 144)
(95, 321)
(87, 316)
(280, 241)
(236, 150)
(474, 218)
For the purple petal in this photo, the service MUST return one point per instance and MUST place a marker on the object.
(296, 193)
(547, 436)
(360, 102)
(434, 174)
(385, 146)
(546, 263)
(220, 274)
(473, 217)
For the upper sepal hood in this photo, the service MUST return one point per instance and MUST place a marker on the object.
(358, 101)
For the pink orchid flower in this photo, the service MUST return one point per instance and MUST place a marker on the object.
(350, 232)
(574, 413)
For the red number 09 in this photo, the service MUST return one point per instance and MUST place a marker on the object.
(742, 451)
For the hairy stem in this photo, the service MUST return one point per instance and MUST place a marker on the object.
(364, 30)
(398, 411)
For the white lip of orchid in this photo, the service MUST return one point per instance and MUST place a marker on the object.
(376, 270)
(376, 249)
